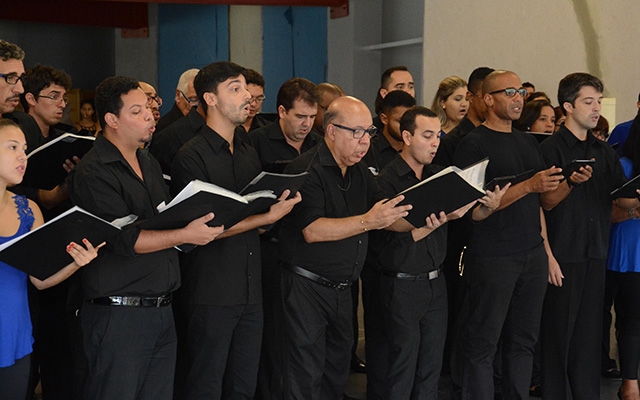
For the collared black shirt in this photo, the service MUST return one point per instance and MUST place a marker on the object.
(578, 226)
(516, 228)
(169, 118)
(327, 194)
(167, 142)
(104, 184)
(226, 271)
(272, 147)
(450, 141)
(399, 252)
(380, 154)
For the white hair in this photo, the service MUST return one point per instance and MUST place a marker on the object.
(186, 77)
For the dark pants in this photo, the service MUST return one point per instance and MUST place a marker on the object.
(504, 295)
(571, 333)
(270, 370)
(416, 314)
(14, 380)
(131, 352)
(610, 292)
(628, 322)
(376, 343)
(224, 348)
(318, 339)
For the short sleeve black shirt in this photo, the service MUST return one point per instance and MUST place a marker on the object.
(578, 226)
(327, 194)
(516, 228)
(226, 271)
(105, 185)
(450, 141)
(399, 252)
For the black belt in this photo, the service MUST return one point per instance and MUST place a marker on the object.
(133, 301)
(322, 281)
(414, 277)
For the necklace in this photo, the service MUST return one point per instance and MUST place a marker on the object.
(348, 184)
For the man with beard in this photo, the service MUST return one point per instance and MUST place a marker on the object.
(155, 101)
(393, 78)
(508, 254)
(222, 280)
(129, 334)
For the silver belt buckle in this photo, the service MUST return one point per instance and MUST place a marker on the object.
(158, 301)
(434, 274)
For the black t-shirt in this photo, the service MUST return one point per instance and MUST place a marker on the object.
(516, 228)
(104, 184)
(327, 194)
(450, 141)
(169, 118)
(399, 252)
(578, 226)
(227, 271)
(272, 147)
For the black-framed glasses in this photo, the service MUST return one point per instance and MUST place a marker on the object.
(358, 133)
(11, 78)
(192, 103)
(258, 99)
(56, 97)
(510, 92)
(153, 97)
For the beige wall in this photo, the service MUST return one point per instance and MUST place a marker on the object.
(542, 41)
(245, 36)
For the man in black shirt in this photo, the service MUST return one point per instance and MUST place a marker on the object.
(507, 257)
(323, 245)
(255, 85)
(222, 280)
(413, 288)
(393, 78)
(185, 100)
(578, 216)
(327, 92)
(128, 287)
(277, 144)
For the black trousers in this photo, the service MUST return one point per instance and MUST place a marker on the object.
(416, 314)
(131, 352)
(628, 321)
(504, 295)
(376, 343)
(318, 339)
(571, 333)
(224, 348)
(14, 380)
(610, 293)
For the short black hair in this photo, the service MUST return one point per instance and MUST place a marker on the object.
(529, 84)
(10, 51)
(408, 120)
(477, 77)
(109, 95)
(297, 88)
(385, 80)
(253, 77)
(40, 77)
(533, 96)
(571, 84)
(397, 98)
(213, 75)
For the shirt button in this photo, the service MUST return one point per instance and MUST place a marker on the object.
(356, 263)
(251, 253)
(359, 241)
(249, 276)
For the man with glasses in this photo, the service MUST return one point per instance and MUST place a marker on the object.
(255, 86)
(186, 98)
(323, 244)
(508, 254)
(277, 144)
(155, 101)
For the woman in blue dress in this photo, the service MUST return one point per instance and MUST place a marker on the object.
(623, 265)
(19, 215)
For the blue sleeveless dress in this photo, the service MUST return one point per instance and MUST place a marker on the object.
(15, 323)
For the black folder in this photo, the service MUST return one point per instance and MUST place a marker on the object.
(42, 252)
(628, 190)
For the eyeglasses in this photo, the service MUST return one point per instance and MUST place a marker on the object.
(510, 92)
(258, 99)
(56, 97)
(358, 133)
(192, 103)
(151, 98)
(11, 78)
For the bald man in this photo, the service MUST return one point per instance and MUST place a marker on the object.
(323, 246)
(327, 92)
(507, 257)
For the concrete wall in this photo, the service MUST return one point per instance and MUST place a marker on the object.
(541, 41)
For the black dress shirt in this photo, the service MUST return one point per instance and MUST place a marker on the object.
(380, 154)
(169, 118)
(227, 271)
(450, 141)
(272, 147)
(167, 142)
(327, 194)
(579, 225)
(399, 252)
(514, 229)
(104, 184)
